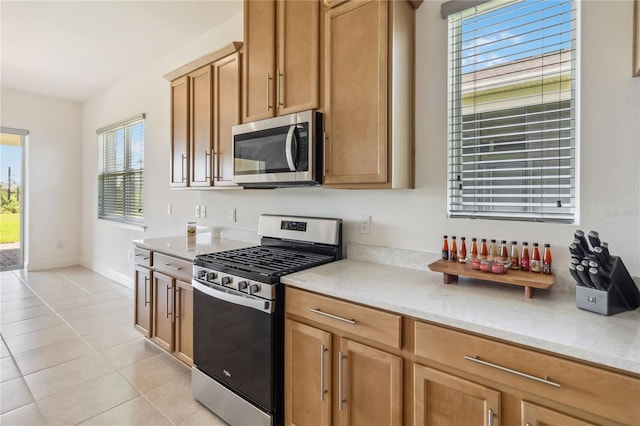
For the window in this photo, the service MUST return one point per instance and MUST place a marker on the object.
(121, 171)
(512, 110)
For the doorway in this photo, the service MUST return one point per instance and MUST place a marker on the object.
(12, 184)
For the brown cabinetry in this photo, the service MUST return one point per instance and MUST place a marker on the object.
(143, 291)
(333, 377)
(281, 66)
(444, 399)
(164, 303)
(369, 83)
(205, 104)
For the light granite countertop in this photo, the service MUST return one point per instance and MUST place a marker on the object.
(550, 321)
(189, 247)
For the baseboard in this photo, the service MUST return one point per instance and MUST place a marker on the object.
(125, 280)
(52, 264)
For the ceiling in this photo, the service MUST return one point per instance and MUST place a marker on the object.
(74, 49)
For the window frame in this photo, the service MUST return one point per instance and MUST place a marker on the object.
(130, 175)
(455, 119)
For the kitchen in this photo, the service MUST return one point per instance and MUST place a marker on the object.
(411, 220)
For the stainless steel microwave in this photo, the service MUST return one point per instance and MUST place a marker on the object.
(280, 151)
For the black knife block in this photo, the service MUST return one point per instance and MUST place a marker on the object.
(622, 295)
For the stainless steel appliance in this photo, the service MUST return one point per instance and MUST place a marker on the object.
(238, 316)
(280, 151)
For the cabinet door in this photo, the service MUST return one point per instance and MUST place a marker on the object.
(184, 321)
(143, 296)
(201, 105)
(258, 75)
(443, 399)
(298, 50)
(180, 132)
(226, 114)
(535, 415)
(356, 93)
(369, 385)
(163, 311)
(307, 375)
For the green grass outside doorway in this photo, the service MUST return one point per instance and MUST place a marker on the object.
(9, 228)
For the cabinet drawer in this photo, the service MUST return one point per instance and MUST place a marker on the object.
(364, 322)
(173, 266)
(142, 256)
(601, 392)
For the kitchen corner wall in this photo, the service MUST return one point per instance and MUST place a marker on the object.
(52, 174)
(609, 155)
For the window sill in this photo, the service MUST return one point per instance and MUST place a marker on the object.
(124, 225)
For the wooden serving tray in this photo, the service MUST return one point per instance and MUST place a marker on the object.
(528, 280)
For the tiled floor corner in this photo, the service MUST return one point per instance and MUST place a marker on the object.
(70, 355)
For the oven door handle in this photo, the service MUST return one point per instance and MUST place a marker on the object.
(234, 297)
(290, 152)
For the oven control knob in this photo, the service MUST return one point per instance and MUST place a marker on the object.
(201, 274)
(225, 280)
(254, 288)
(242, 285)
(211, 276)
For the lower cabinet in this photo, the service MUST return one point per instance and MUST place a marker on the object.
(348, 364)
(143, 296)
(333, 377)
(443, 399)
(173, 316)
(164, 305)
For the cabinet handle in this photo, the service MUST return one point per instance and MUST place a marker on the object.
(544, 380)
(184, 163)
(279, 89)
(170, 266)
(176, 306)
(318, 311)
(269, 91)
(324, 153)
(168, 312)
(206, 165)
(340, 377)
(322, 391)
(490, 417)
(146, 280)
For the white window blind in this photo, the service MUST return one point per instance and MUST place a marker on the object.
(121, 171)
(512, 111)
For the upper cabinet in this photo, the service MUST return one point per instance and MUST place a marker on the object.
(281, 57)
(369, 84)
(205, 104)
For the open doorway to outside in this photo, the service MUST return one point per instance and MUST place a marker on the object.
(12, 185)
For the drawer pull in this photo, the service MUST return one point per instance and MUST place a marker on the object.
(170, 266)
(317, 311)
(545, 380)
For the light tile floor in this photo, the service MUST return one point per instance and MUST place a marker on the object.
(70, 355)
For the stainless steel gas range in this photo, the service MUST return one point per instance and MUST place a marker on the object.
(238, 316)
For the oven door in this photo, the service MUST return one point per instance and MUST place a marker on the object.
(234, 341)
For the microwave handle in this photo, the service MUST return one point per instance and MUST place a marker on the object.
(289, 148)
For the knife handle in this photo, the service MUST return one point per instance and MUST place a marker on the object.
(584, 276)
(582, 241)
(601, 258)
(594, 238)
(574, 274)
(596, 278)
(576, 249)
(605, 251)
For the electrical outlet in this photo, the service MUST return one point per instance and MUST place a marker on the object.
(365, 224)
(232, 215)
(169, 209)
(203, 211)
(197, 211)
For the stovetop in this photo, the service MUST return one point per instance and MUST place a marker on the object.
(261, 262)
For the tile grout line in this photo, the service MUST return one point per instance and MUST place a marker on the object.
(116, 370)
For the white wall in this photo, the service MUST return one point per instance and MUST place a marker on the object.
(52, 172)
(411, 219)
